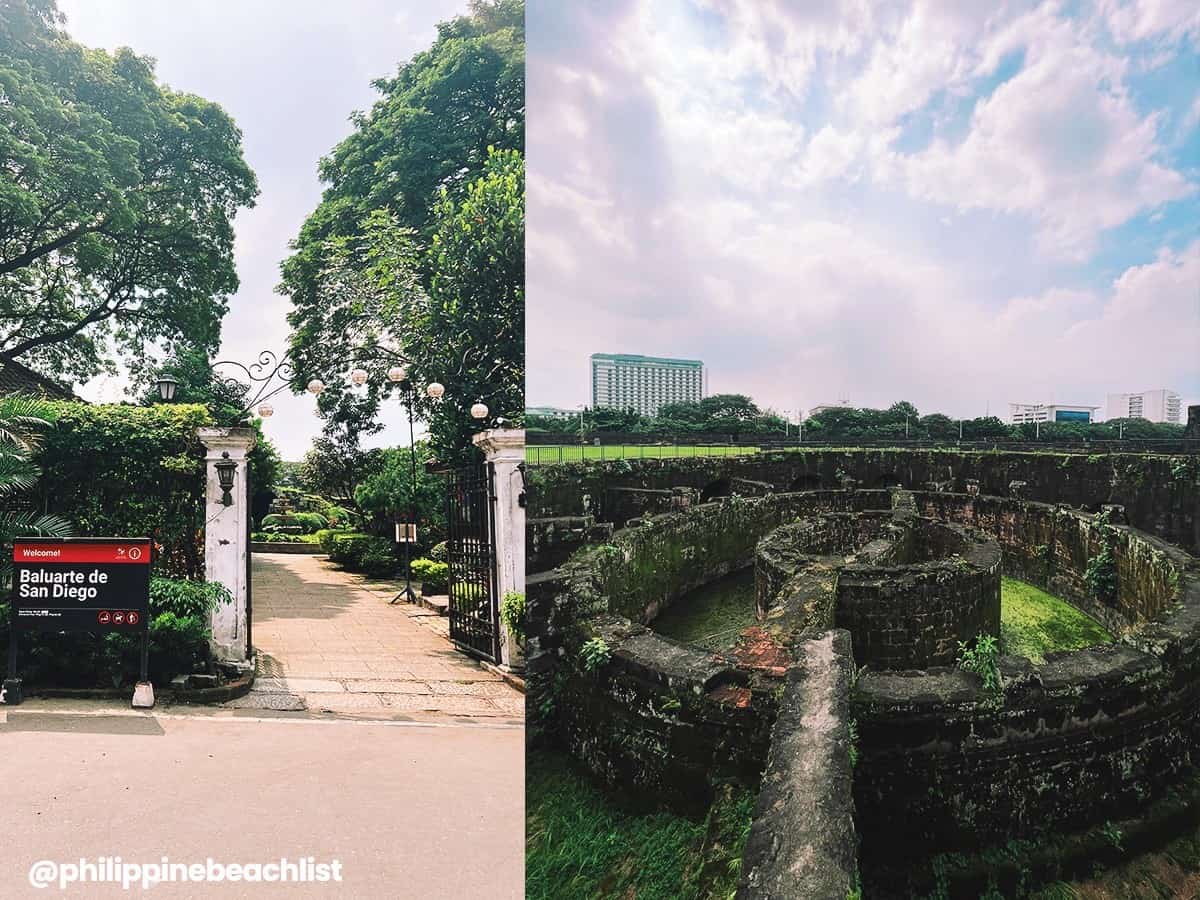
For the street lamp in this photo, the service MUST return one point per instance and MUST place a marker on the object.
(479, 410)
(398, 375)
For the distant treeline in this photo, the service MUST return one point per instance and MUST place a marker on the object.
(739, 416)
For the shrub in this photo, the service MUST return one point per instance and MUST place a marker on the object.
(433, 575)
(512, 613)
(348, 549)
(327, 537)
(438, 552)
(594, 654)
(983, 659)
(378, 559)
(130, 470)
(295, 523)
(179, 631)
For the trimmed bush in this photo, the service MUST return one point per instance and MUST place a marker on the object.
(438, 552)
(433, 575)
(295, 523)
(348, 549)
(378, 559)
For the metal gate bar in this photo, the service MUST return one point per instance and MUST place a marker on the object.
(471, 554)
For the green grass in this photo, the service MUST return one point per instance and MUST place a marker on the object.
(1034, 623)
(555, 453)
(580, 845)
(712, 616)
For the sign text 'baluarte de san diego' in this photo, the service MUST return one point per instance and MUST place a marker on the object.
(81, 584)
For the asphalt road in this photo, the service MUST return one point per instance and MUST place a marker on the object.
(409, 809)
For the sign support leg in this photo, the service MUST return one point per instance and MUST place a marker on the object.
(10, 692)
(143, 694)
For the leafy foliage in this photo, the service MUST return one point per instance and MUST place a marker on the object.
(433, 575)
(129, 470)
(335, 466)
(594, 654)
(512, 614)
(117, 196)
(179, 627)
(423, 217)
(386, 492)
(983, 659)
(22, 422)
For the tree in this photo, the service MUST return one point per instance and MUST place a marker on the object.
(335, 466)
(429, 137)
(21, 421)
(116, 201)
(387, 492)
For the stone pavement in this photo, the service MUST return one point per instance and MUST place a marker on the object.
(329, 642)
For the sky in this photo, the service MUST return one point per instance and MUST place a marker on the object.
(956, 204)
(290, 73)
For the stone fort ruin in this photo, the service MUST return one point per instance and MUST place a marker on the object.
(842, 704)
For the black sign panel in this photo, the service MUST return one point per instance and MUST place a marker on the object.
(81, 584)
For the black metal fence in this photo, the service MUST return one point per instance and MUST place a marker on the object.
(471, 555)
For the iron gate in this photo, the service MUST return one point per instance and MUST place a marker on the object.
(471, 554)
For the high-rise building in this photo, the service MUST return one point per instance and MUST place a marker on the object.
(1020, 413)
(644, 384)
(1156, 406)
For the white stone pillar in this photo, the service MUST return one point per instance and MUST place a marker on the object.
(226, 540)
(505, 449)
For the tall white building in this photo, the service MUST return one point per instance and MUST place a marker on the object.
(1156, 406)
(644, 384)
(1020, 413)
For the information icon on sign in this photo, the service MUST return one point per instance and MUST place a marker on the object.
(135, 552)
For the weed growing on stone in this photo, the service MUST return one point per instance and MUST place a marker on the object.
(594, 654)
(983, 659)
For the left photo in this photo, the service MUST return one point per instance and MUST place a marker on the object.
(262, 365)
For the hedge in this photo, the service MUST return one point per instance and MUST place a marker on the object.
(130, 471)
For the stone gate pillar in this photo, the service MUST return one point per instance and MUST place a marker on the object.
(505, 449)
(226, 540)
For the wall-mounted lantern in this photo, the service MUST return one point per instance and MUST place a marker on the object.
(166, 387)
(226, 469)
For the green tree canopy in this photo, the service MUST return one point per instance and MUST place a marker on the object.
(387, 491)
(117, 196)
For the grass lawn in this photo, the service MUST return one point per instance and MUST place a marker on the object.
(556, 453)
(580, 845)
(1033, 623)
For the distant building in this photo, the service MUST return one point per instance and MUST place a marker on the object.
(1156, 406)
(18, 379)
(1021, 413)
(821, 407)
(550, 412)
(644, 384)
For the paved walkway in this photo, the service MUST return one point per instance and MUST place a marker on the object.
(328, 641)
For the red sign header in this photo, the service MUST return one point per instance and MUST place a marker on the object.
(32, 553)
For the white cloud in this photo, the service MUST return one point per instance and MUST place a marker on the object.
(1139, 20)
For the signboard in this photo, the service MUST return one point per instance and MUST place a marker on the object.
(81, 584)
(406, 533)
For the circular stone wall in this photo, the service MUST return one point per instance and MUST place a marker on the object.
(908, 589)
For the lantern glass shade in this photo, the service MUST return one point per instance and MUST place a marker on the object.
(316, 386)
(266, 410)
(359, 376)
(479, 410)
(435, 390)
(397, 373)
(226, 469)
(166, 387)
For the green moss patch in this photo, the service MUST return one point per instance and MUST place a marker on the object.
(1034, 623)
(581, 844)
(713, 616)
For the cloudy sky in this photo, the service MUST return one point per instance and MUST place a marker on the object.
(959, 204)
(290, 72)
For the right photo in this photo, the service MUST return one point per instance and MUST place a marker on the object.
(862, 475)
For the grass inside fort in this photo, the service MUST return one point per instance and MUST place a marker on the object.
(581, 843)
(1034, 623)
(714, 615)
